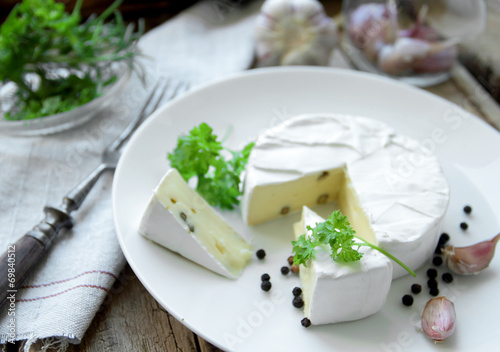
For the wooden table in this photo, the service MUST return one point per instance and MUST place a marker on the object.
(131, 320)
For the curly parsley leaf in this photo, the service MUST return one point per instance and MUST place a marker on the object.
(304, 249)
(199, 154)
(195, 152)
(337, 234)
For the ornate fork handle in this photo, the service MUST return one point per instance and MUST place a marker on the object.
(21, 257)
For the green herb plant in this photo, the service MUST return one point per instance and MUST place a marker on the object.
(39, 39)
(198, 154)
(336, 234)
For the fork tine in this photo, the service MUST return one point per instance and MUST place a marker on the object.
(149, 107)
(127, 132)
(161, 97)
(177, 88)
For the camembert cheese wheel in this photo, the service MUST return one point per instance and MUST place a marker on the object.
(390, 187)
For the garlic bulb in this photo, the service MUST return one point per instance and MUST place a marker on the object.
(472, 259)
(294, 32)
(438, 318)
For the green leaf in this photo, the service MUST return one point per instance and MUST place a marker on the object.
(304, 249)
(198, 154)
(38, 37)
(337, 234)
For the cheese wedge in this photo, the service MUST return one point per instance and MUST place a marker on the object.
(179, 219)
(337, 292)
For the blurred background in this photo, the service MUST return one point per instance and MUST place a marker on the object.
(479, 56)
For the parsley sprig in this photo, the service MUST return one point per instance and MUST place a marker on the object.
(336, 232)
(199, 154)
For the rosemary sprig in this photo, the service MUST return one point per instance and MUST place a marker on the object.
(39, 39)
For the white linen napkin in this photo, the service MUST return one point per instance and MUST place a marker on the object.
(59, 300)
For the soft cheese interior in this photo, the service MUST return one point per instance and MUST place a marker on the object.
(179, 219)
(338, 292)
(392, 190)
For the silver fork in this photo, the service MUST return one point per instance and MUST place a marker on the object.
(22, 256)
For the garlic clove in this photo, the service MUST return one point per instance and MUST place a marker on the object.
(294, 32)
(472, 259)
(438, 318)
(399, 57)
(370, 27)
(439, 59)
(419, 30)
(420, 56)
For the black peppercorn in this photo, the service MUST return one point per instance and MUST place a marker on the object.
(261, 254)
(432, 283)
(285, 270)
(265, 277)
(416, 288)
(434, 292)
(432, 273)
(438, 249)
(298, 302)
(407, 300)
(297, 291)
(447, 277)
(305, 322)
(467, 209)
(437, 261)
(444, 238)
(265, 285)
(464, 226)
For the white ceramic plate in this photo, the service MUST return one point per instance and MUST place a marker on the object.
(238, 315)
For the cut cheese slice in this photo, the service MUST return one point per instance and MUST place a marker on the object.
(338, 292)
(391, 188)
(179, 219)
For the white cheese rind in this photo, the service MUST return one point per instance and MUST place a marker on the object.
(339, 292)
(179, 219)
(400, 186)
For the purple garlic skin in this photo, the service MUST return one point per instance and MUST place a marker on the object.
(370, 27)
(438, 318)
(472, 259)
(439, 60)
(418, 55)
(373, 28)
(419, 31)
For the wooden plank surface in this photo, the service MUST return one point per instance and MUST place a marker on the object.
(131, 320)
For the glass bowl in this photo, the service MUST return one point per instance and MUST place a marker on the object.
(372, 29)
(65, 120)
